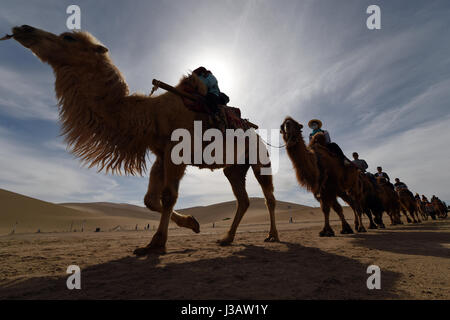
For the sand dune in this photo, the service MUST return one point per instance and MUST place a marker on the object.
(257, 212)
(114, 210)
(33, 214)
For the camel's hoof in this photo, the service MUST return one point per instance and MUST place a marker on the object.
(361, 229)
(272, 239)
(225, 242)
(382, 226)
(373, 226)
(195, 226)
(347, 230)
(140, 252)
(326, 233)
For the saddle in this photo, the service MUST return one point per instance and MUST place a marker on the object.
(227, 118)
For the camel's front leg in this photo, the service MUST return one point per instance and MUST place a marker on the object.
(172, 176)
(152, 199)
(346, 229)
(327, 231)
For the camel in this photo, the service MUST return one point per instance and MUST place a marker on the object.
(421, 208)
(429, 208)
(369, 203)
(372, 204)
(321, 173)
(439, 207)
(408, 204)
(389, 199)
(109, 128)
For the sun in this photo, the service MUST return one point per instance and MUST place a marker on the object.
(220, 66)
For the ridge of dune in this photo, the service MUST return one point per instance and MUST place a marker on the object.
(33, 214)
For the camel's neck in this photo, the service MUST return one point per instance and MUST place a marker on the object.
(305, 164)
(103, 124)
(96, 87)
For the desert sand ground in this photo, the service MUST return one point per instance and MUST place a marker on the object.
(414, 262)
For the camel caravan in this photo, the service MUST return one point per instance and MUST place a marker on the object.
(110, 129)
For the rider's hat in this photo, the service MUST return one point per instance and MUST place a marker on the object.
(310, 123)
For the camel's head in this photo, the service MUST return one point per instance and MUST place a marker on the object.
(68, 48)
(291, 131)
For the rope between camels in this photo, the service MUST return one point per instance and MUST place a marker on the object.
(279, 147)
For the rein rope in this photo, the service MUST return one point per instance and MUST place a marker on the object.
(279, 147)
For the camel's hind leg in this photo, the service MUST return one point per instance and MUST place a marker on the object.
(357, 211)
(369, 215)
(236, 175)
(358, 215)
(152, 199)
(346, 229)
(172, 176)
(265, 181)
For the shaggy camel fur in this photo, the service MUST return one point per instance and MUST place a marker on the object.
(408, 204)
(108, 128)
(390, 200)
(321, 173)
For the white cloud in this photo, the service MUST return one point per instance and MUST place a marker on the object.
(31, 171)
(26, 97)
(419, 157)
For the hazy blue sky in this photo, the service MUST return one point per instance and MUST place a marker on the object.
(384, 93)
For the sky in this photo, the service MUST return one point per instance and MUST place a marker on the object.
(383, 93)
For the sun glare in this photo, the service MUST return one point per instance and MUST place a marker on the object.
(221, 67)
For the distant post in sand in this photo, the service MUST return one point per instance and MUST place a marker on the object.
(14, 228)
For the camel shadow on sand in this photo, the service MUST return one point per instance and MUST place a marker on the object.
(408, 241)
(253, 272)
